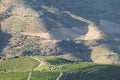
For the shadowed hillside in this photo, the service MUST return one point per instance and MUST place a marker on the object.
(4, 39)
(79, 50)
(40, 27)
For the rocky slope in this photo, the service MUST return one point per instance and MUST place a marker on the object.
(86, 30)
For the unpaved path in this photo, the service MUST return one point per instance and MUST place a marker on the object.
(58, 78)
(42, 35)
(29, 75)
(93, 31)
(81, 19)
(41, 61)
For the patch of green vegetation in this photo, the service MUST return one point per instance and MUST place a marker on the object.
(76, 66)
(53, 60)
(44, 75)
(19, 64)
(13, 75)
(108, 72)
(71, 71)
(41, 68)
(68, 67)
(52, 63)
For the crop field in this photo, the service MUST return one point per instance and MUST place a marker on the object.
(68, 67)
(94, 73)
(54, 68)
(18, 64)
(13, 75)
(55, 60)
(44, 75)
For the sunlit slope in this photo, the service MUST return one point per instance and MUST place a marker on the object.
(93, 73)
(56, 68)
(13, 75)
(19, 64)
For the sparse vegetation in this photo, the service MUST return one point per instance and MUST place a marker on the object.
(35, 34)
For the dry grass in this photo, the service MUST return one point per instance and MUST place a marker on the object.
(42, 35)
(100, 54)
(93, 33)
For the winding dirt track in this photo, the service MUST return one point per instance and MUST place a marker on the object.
(40, 61)
(29, 75)
(93, 31)
(58, 78)
(42, 35)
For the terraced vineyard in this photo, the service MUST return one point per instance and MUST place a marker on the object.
(44, 75)
(94, 73)
(49, 63)
(56, 68)
(55, 60)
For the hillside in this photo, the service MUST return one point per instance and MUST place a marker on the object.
(18, 64)
(93, 73)
(56, 68)
(83, 30)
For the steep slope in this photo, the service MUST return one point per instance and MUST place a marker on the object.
(55, 68)
(93, 32)
(87, 30)
(93, 73)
